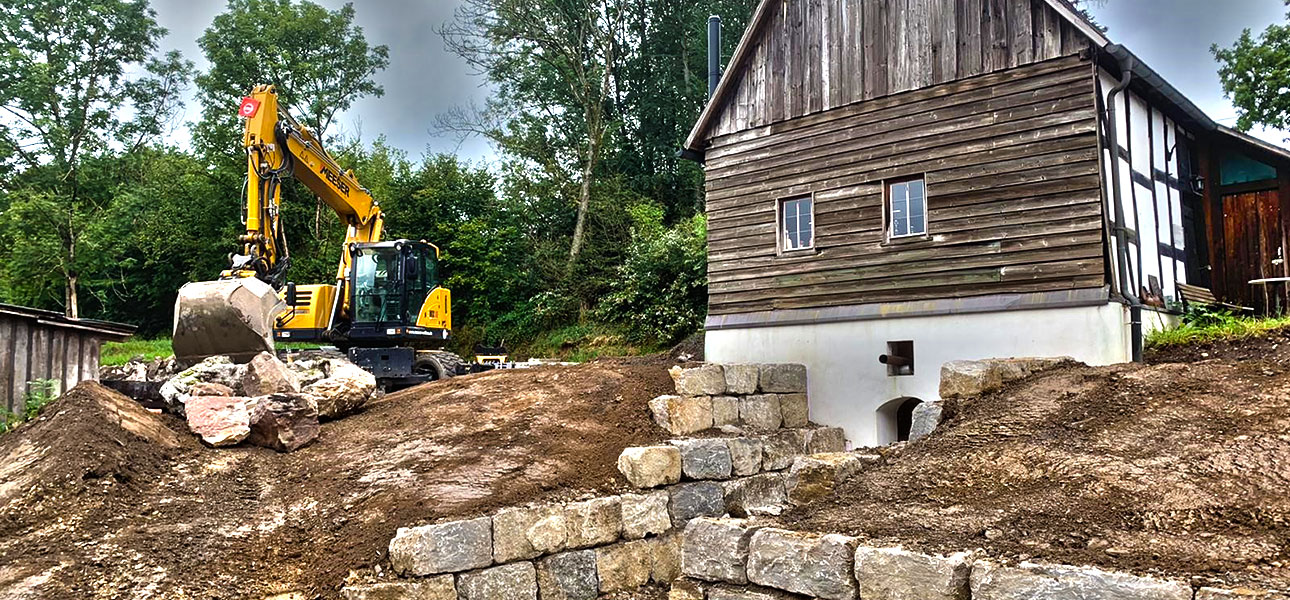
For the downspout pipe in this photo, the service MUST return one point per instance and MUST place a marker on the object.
(714, 54)
(1113, 138)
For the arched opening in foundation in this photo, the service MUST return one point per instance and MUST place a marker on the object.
(894, 420)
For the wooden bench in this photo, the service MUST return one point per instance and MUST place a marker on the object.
(1199, 296)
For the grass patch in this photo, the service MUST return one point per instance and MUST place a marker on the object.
(119, 353)
(581, 343)
(1209, 326)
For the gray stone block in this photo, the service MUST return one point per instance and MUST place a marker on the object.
(516, 581)
(568, 576)
(594, 522)
(896, 574)
(757, 495)
(692, 500)
(434, 588)
(825, 440)
(745, 455)
(742, 379)
(1028, 581)
(795, 409)
(705, 380)
(443, 548)
(926, 418)
(645, 514)
(730, 592)
(650, 466)
(705, 458)
(682, 416)
(725, 411)
(624, 567)
(815, 565)
(779, 449)
(782, 379)
(716, 549)
(760, 412)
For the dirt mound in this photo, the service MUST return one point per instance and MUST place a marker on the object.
(249, 522)
(1177, 468)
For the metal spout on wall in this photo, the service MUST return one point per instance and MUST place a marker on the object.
(714, 54)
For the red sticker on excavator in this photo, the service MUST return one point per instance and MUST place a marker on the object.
(250, 106)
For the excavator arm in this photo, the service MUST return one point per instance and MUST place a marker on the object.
(235, 314)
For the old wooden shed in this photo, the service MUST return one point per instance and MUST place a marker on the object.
(37, 345)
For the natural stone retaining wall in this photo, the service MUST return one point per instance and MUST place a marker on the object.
(727, 559)
(755, 397)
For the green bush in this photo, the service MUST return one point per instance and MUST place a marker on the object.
(39, 394)
(661, 293)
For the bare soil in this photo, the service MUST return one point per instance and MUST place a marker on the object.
(102, 499)
(1179, 467)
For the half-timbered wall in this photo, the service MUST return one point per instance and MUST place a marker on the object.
(1011, 165)
(814, 55)
(1150, 192)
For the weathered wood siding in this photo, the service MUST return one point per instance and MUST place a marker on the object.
(814, 55)
(1011, 165)
(34, 350)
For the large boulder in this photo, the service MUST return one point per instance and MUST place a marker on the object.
(699, 499)
(814, 565)
(515, 531)
(442, 548)
(741, 379)
(594, 522)
(761, 412)
(1028, 581)
(265, 375)
(623, 567)
(219, 420)
(716, 549)
(745, 455)
(650, 466)
(345, 389)
(971, 378)
(925, 420)
(682, 415)
(568, 576)
(516, 581)
(782, 379)
(897, 574)
(284, 422)
(705, 458)
(706, 380)
(757, 495)
(645, 514)
(815, 476)
(176, 391)
(433, 588)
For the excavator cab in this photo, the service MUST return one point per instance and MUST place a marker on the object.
(395, 296)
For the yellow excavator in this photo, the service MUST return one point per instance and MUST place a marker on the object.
(387, 309)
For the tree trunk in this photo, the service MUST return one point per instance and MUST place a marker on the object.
(73, 308)
(584, 201)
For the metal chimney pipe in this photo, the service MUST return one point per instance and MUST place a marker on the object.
(714, 54)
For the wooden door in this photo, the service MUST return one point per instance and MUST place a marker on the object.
(1253, 249)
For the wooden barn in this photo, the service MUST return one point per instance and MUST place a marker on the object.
(40, 345)
(931, 180)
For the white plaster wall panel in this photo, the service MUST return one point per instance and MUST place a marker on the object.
(847, 384)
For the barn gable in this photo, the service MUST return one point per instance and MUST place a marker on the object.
(805, 56)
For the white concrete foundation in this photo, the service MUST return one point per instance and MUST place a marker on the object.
(848, 386)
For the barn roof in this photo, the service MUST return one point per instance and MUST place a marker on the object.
(1156, 88)
(105, 329)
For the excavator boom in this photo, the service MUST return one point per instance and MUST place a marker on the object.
(235, 315)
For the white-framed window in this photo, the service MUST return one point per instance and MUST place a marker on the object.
(796, 224)
(906, 208)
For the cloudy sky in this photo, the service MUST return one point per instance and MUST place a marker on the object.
(424, 79)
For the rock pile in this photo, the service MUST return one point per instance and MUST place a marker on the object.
(265, 402)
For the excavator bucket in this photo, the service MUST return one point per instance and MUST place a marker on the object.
(232, 317)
